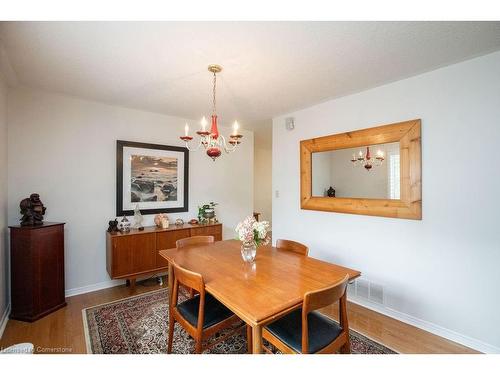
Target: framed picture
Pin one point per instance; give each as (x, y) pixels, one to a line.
(153, 176)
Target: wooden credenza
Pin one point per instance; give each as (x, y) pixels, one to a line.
(135, 253)
(37, 270)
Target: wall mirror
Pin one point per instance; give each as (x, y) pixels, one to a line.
(375, 171)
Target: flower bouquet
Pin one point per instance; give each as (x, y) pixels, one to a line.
(252, 234)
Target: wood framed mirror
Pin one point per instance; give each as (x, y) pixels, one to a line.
(375, 171)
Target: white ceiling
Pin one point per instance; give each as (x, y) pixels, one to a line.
(270, 68)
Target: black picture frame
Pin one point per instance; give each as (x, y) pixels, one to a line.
(120, 144)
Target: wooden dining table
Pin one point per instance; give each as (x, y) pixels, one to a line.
(259, 292)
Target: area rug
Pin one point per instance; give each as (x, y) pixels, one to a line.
(139, 325)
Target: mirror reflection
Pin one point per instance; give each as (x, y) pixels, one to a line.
(361, 172)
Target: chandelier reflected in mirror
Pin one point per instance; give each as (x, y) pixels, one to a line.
(212, 141)
(366, 159)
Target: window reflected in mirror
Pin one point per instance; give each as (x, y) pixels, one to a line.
(361, 172)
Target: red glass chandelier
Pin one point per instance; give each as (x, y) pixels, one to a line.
(366, 160)
(212, 141)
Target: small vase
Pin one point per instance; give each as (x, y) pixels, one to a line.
(248, 251)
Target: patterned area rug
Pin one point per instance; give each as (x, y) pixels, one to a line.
(139, 325)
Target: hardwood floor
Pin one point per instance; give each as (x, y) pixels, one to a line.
(62, 331)
(399, 336)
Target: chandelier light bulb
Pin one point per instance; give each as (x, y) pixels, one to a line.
(186, 130)
(204, 124)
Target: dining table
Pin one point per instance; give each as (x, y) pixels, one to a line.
(261, 291)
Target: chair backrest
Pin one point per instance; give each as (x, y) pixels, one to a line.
(321, 298)
(194, 241)
(324, 297)
(296, 247)
(192, 280)
(188, 278)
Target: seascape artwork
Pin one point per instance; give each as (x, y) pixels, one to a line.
(153, 179)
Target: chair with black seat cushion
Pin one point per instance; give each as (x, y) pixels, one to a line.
(193, 241)
(294, 246)
(201, 316)
(307, 331)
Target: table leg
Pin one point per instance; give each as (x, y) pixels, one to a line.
(170, 282)
(249, 339)
(257, 339)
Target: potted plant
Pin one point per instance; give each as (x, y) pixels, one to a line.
(206, 213)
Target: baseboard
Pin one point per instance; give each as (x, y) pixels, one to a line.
(93, 287)
(104, 285)
(427, 326)
(4, 320)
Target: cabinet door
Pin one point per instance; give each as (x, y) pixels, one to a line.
(133, 254)
(211, 230)
(166, 240)
(48, 246)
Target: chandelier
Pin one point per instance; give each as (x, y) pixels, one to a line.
(366, 159)
(213, 142)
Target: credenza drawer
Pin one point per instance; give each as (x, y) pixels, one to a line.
(206, 231)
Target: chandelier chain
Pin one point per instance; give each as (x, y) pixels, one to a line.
(214, 92)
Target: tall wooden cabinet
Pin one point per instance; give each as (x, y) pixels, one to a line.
(136, 253)
(37, 270)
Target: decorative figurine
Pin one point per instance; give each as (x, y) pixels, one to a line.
(161, 221)
(32, 210)
(331, 192)
(113, 226)
(137, 217)
(179, 222)
(193, 221)
(125, 225)
(164, 222)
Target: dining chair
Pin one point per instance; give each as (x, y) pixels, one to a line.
(201, 316)
(194, 241)
(305, 330)
(296, 247)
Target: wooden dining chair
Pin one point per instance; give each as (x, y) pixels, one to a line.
(201, 316)
(296, 247)
(194, 241)
(307, 331)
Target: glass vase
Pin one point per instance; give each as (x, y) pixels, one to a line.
(248, 251)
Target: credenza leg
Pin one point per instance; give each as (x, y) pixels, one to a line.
(132, 284)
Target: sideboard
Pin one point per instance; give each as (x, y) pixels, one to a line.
(135, 253)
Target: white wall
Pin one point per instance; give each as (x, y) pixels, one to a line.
(4, 273)
(263, 157)
(263, 182)
(441, 272)
(65, 149)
